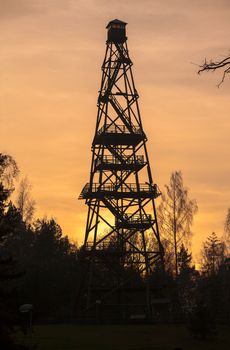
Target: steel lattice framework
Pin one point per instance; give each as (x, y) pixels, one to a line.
(121, 230)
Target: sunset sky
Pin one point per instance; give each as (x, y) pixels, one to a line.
(51, 54)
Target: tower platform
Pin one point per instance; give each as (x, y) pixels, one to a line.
(119, 135)
(130, 190)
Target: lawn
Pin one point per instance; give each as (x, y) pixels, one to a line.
(122, 337)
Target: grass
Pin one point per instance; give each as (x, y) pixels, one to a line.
(122, 337)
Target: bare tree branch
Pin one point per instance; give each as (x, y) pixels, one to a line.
(213, 66)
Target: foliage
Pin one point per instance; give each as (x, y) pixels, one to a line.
(187, 280)
(9, 218)
(214, 285)
(50, 268)
(184, 260)
(50, 264)
(212, 255)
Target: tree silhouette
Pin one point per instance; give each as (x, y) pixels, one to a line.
(8, 266)
(227, 222)
(223, 65)
(8, 172)
(227, 232)
(175, 215)
(187, 279)
(212, 254)
(213, 286)
(51, 277)
(184, 260)
(24, 201)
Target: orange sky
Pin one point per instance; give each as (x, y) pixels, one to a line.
(51, 53)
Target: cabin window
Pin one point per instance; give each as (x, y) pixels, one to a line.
(118, 26)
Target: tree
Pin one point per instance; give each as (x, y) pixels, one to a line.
(227, 232)
(213, 288)
(227, 222)
(212, 255)
(8, 171)
(187, 279)
(24, 201)
(184, 260)
(39, 254)
(175, 215)
(8, 267)
(223, 65)
(50, 279)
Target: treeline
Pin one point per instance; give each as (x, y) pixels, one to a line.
(40, 266)
(203, 288)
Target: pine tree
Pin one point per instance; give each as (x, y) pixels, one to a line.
(212, 254)
(184, 260)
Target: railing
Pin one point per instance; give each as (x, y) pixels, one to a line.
(118, 129)
(128, 187)
(135, 219)
(109, 159)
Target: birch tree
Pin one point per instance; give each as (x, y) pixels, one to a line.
(24, 201)
(227, 232)
(175, 215)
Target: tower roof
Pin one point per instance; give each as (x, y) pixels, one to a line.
(115, 21)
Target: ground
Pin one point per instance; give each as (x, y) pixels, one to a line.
(122, 337)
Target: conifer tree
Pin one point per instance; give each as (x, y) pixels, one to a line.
(212, 255)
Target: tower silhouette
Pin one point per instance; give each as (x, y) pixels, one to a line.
(122, 243)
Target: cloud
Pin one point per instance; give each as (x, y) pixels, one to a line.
(11, 9)
(17, 8)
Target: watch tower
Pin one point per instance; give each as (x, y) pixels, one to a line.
(122, 243)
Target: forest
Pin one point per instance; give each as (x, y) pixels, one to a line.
(40, 265)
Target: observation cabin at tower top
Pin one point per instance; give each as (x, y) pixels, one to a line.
(116, 31)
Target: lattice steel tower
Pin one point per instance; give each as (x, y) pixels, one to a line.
(122, 243)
